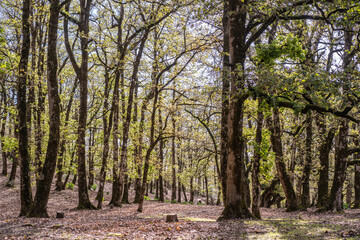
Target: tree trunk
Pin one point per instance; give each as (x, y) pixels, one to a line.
(82, 74)
(357, 184)
(184, 192)
(305, 196)
(357, 177)
(39, 131)
(25, 180)
(59, 184)
(2, 133)
(224, 99)
(48, 169)
(107, 125)
(173, 155)
(291, 202)
(91, 157)
(335, 199)
(235, 199)
(255, 204)
(15, 159)
(323, 183)
(161, 158)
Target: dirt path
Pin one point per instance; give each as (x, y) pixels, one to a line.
(196, 221)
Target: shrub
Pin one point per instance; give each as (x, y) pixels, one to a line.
(70, 185)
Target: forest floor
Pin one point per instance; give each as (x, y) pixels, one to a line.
(195, 221)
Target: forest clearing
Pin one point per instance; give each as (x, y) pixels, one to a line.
(195, 221)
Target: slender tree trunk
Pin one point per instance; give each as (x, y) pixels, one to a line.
(192, 193)
(255, 204)
(184, 192)
(207, 190)
(39, 132)
(91, 157)
(25, 180)
(82, 74)
(357, 177)
(173, 156)
(59, 184)
(2, 133)
(323, 183)
(161, 159)
(334, 201)
(15, 158)
(357, 185)
(305, 197)
(276, 142)
(349, 189)
(72, 161)
(107, 125)
(153, 143)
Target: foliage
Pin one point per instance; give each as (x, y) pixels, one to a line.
(288, 46)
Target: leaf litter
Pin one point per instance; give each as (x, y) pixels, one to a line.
(195, 221)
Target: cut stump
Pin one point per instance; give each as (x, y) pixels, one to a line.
(60, 215)
(172, 218)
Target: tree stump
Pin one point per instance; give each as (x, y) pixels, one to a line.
(172, 218)
(60, 215)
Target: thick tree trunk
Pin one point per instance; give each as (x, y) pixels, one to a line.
(276, 142)
(236, 205)
(25, 180)
(225, 99)
(255, 204)
(48, 169)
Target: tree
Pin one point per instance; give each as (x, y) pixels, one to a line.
(48, 169)
(25, 181)
(82, 74)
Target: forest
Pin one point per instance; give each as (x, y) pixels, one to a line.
(240, 116)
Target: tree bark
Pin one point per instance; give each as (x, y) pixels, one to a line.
(25, 180)
(235, 201)
(255, 204)
(173, 154)
(224, 99)
(161, 158)
(334, 201)
(59, 183)
(48, 169)
(305, 196)
(323, 183)
(107, 125)
(2, 132)
(276, 142)
(82, 74)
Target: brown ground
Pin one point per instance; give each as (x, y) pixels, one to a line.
(196, 221)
